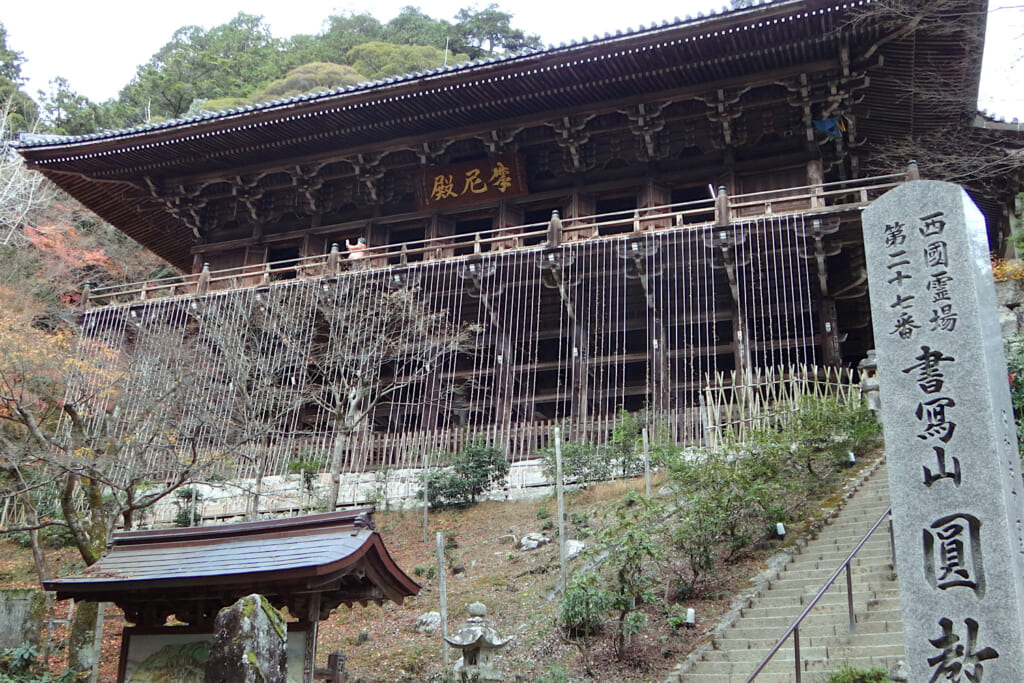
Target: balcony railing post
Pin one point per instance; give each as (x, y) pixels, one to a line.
(554, 230)
(722, 215)
(333, 259)
(203, 281)
(86, 294)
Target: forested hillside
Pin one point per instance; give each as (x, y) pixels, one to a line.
(241, 62)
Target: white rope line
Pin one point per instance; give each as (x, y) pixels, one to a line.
(250, 356)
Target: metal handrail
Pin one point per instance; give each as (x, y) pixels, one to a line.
(794, 630)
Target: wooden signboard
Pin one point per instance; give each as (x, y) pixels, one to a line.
(471, 182)
(160, 654)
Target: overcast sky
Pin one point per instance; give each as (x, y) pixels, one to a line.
(97, 45)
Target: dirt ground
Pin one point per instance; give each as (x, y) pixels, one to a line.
(380, 642)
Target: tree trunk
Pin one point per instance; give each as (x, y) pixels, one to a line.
(336, 454)
(355, 417)
(253, 511)
(83, 655)
(38, 558)
(89, 529)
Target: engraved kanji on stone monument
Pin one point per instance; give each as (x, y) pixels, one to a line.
(952, 452)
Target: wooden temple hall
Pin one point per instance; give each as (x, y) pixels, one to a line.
(544, 239)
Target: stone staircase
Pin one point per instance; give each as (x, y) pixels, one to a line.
(825, 640)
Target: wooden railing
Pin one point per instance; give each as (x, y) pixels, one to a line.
(737, 403)
(720, 211)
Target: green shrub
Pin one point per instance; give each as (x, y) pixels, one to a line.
(847, 674)
(631, 537)
(309, 467)
(734, 496)
(625, 447)
(21, 665)
(581, 463)
(475, 469)
(825, 430)
(584, 606)
(581, 521)
(426, 571)
(184, 502)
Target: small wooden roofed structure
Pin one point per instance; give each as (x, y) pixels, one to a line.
(308, 564)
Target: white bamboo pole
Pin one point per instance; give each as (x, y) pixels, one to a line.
(442, 589)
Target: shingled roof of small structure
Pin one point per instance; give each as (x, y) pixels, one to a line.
(337, 554)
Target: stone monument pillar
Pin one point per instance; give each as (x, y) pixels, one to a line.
(949, 435)
(249, 644)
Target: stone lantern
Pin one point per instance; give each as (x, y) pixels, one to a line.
(869, 381)
(477, 642)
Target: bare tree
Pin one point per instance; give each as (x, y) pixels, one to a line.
(960, 154)
(136, 411)
(380, 342)
(23, 193)
(964, 147)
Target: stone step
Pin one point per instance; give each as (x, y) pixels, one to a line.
(879, 578)
(860, 604)
(842, 638)
(815, 630)
(826, 567)
(852, 529)
(798, 585)
(782, 665)
(812, 673)
(854, 525)
(814, 624)
(836, 552)
(819, 576)
(832, 597)
(750, 658)
(828, 541)
(843, 545)
(799, 597)
(834, 557)
(832, 534)
(860, 506)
